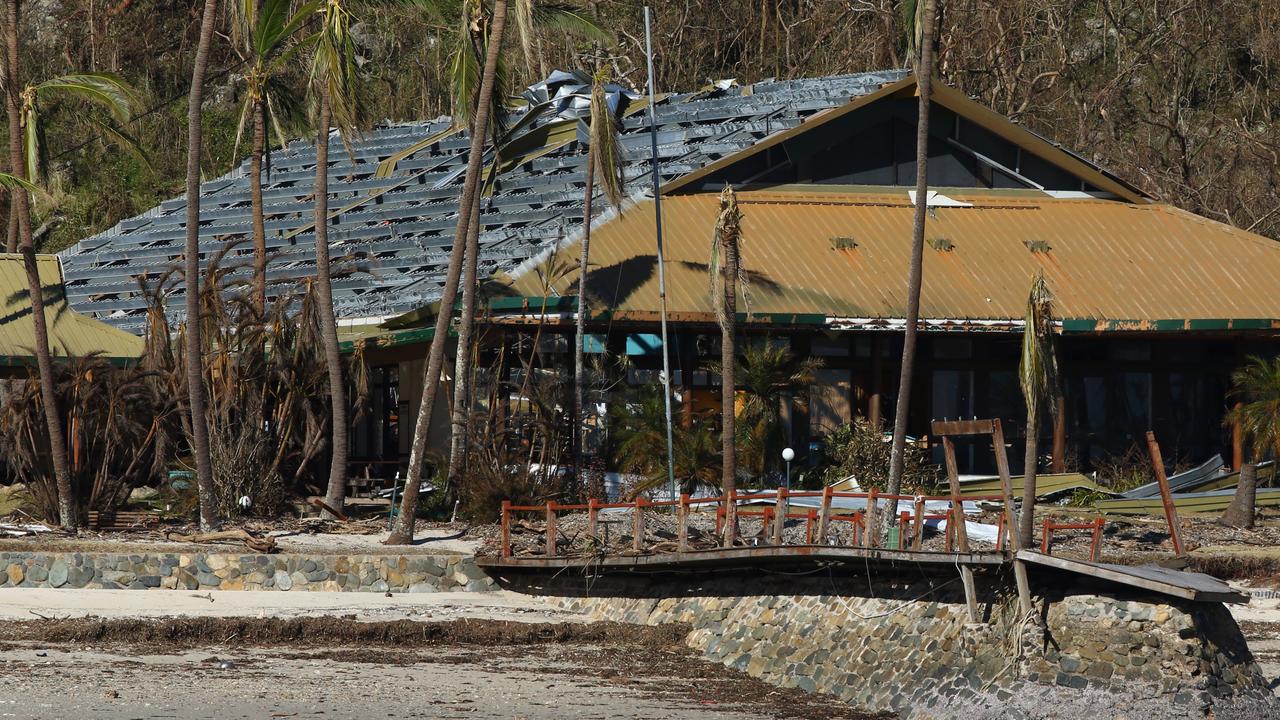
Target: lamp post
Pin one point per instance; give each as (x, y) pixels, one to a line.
(788, 455)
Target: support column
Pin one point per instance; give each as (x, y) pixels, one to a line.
(1237, 440)
(877, 380)
(1059, 462)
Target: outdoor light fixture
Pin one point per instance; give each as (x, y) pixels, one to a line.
(787, 456)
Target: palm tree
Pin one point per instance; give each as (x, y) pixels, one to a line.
(921, 51)
(195, 363)
(767, 374)
(1038, 375)
(333, 82)
(641, 449)
(726, 275)
(604, 154)
(402, 533)
(1256, 387)
(267, 28)
(26, 154)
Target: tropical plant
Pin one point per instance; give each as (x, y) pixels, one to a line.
(334, 86)
(1038, 377)
(268, 30)
(1256, 388)
(26, 154)
(197, 424)
(638, 425)
(604, 154)
(267, 409)
(921, 20)
(118, 426)
(726, 276)
(402, 532)
(766, 373)
(859, 450)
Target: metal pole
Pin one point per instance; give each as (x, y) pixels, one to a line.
(662, 272)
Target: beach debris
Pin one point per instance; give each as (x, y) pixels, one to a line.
(253, 542)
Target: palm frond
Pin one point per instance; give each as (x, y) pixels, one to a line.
(606, 144)
(334, 67)
(123, 139)
(107, 90)
(1038, 369)
(525, 28)
(565, 19)
(728, 231)
(9, 182)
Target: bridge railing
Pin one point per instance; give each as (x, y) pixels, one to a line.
(865, 523)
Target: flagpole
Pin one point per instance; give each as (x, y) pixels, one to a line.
(662, 269)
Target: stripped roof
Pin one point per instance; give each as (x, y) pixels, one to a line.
(70, 333)
(842, 253)
(395, 227)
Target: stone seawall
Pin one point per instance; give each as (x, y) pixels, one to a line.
(232, 571)
(1097, 657)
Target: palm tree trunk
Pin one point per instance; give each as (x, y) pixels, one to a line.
(924, 81)
(402, 533)
(259, 222)
(336, 493)
(11, 241)
(580, 338)
(462, 362)
(67, 515)
(728, 355)
(1026, 531)
(195, 362)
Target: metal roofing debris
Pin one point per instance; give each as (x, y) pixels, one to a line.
(1101, 262)
(70, 334)
(398, 209)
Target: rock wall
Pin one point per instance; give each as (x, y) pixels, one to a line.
(1097, 657)
(228, 571)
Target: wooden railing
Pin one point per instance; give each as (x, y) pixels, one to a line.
(865, 523)
(1095, 545)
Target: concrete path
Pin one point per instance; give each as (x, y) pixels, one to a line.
(34, 603)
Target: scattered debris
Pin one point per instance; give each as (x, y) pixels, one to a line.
(257, 544)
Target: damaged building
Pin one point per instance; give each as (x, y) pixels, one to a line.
(1156, 305)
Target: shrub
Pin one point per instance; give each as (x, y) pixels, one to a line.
(862, 450)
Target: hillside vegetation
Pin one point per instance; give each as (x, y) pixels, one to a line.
(1178, 96)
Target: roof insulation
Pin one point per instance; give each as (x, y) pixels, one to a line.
(392, 229)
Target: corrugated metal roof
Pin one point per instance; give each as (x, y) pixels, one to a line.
(844, 253)
(394, 221)
(70, 333)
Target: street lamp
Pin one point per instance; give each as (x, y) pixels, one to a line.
(788, 455)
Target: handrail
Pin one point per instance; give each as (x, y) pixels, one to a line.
(864, 524)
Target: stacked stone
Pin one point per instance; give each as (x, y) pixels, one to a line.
(923, 658)
(228, 571)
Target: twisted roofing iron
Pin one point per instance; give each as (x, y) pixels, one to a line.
(395, 207)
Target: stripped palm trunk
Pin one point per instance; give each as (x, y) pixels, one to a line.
(463, 357)
(259, 222)
(725, 271)
(402, 532)
(22, 207)
(337, 489)
(196, 397)
(923, 62)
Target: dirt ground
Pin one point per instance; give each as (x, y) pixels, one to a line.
(338, 668)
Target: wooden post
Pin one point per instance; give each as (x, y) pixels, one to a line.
(869, 533)
(904, 525)
(877, 381)
(779, 516)
(1058, 463)
(1044, 537)
(1006, 485)
(731, 519)
(506, 528)
(824, 515)
(682, 523)
(919, 530)
(808, 526)
(1170, 511)
(593, 520)
(957, 506)
(551, 529)
(637, 526)
(1095, 552)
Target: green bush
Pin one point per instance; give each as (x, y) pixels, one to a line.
(862, 450)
